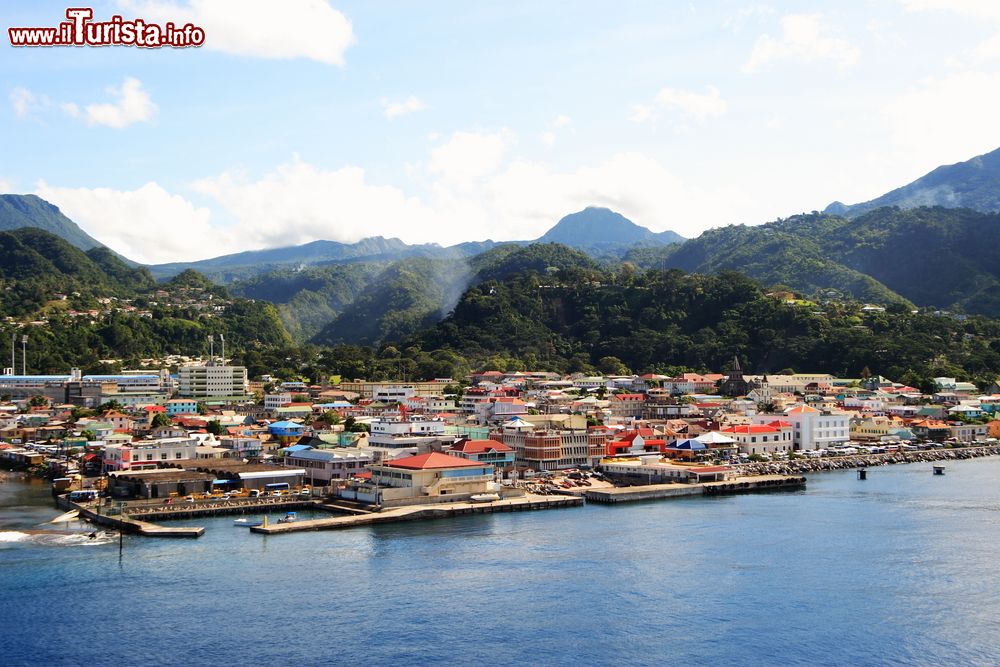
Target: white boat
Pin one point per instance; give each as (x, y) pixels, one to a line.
(248, 522)
(484, 497)
(289, 518)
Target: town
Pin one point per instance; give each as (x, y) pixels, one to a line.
(206, 438)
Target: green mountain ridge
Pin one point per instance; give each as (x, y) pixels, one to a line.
(973, 184)
(18, 211)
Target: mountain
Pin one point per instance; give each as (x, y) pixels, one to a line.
(598, 231)
(413, 294)
(243, 265)
(603, 231)
(971, 184)
(31, 211)
(935, 257)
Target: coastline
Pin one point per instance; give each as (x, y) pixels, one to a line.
(830, 464)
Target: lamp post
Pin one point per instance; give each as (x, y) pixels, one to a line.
(24, 354)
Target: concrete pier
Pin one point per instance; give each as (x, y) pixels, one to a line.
(628, 494)
(415, 512)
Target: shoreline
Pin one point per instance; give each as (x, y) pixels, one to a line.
(831, 464)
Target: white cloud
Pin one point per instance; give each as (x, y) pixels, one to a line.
(548, 138)
(470, 187)
(261, 28)
(562, 121)
(468, 157)
(132, 104)
(407, 106)
(687, 105)
(946, 119)
(26, 103)
(802, 40)
(147, 225)
(736, 20)
(22, 100)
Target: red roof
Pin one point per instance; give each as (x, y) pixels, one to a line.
(780, 424)
(746, 430)
(628, 397)
(432, 461)
(155, 408)
(480, 446)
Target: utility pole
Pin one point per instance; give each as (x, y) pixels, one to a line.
(24, 354)
(211, 349)
(222, 339)
(13, 359)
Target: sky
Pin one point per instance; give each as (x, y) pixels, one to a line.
(459, 121)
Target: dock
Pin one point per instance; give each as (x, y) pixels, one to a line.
(629, 494)
(416, 512)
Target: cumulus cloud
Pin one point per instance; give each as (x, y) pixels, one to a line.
(687, 105)
(470, 186)
(802, 39)
(260, 28)
(395, 109)
(131, 104)
(27, 104)
(147, 224)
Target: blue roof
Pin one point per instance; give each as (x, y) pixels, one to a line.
(298, 448)
(688, 444)
(286, 424)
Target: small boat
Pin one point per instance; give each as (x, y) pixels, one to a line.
(484, 497)
(289, 518)
(938, 470)
(248, 522)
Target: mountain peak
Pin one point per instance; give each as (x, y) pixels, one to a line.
(597, 228)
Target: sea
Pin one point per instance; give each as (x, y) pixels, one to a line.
(898, 569)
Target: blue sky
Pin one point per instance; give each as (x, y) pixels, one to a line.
(454, 121)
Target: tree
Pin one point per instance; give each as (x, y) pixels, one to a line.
(38, 401)
(331, 417)
(112, 406)
(160, 419)
(89, 435)
(215, 427)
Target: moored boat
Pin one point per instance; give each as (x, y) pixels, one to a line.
(248, 522)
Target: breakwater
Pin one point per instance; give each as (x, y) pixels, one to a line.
(802, 466)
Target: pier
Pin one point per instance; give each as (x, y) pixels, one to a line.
(629, 494)
(415, 512)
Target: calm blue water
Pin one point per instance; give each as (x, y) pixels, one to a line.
(899, 569)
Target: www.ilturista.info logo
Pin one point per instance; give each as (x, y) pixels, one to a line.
(81, 30)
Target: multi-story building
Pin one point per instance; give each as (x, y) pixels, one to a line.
(212, 382)
(146, 454)
(412, 432)
(495, 453)
(426, 478)
(813, 428)
(774, 436)
(550, 449)
(325, 465)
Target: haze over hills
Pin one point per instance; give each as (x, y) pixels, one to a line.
(971, 184)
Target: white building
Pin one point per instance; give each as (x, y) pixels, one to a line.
(212, 381)
(275, 401)
(412, 432)
(146, 454)
(812, 428)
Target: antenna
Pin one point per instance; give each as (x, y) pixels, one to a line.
(24, 354)
(211, 348)
(222, 339)
(13, 359)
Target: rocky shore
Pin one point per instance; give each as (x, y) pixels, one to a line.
(800, 466)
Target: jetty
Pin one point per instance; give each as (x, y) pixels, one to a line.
(428, 511)
(628, 494)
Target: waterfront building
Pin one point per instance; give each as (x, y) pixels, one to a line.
(550, 449)
(497, 454)
(653, 469)
(425, 478)
(813, 428)
(147, 454)
(774, 436)
(399, 432)
(325, 465)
